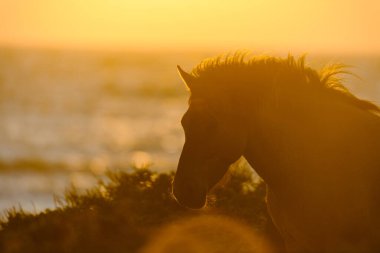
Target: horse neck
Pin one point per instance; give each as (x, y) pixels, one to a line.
(285, 127)
(276, 119)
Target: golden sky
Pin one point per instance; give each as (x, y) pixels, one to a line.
(295, 25)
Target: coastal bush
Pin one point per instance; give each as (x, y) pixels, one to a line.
(123, 211)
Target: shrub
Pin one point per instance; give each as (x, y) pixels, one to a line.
(118, 216)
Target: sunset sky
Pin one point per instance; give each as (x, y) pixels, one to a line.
(296, 25)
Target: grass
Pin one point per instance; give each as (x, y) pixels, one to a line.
(120, 215)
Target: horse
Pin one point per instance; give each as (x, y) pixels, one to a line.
(314, 143)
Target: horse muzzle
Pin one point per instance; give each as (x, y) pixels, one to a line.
(190, 194)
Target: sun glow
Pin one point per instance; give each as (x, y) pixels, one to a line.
(349, 26)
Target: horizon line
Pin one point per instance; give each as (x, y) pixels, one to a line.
(179, 49)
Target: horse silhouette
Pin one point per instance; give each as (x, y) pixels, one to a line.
(314, 143)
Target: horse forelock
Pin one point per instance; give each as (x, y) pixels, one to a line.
(225, 72)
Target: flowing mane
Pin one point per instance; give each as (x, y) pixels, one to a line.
(227, 67)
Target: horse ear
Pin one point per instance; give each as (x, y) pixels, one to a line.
(186, 77)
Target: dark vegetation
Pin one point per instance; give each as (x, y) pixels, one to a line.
(120, 214)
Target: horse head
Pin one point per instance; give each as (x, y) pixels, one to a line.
(214, 139)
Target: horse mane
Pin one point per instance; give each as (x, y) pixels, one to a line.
(222, 67)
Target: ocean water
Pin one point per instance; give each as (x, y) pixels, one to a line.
(68, 116)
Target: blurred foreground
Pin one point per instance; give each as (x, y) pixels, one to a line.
(208, 234)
